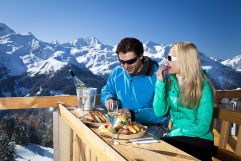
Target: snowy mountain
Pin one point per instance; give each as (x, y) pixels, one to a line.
(29, 66)
(234, 63)
(33, 152)
(5, 30)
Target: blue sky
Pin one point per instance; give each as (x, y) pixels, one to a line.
(213, 25)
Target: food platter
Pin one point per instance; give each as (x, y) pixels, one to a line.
(114, 125)
(123, 136)
(94, 119)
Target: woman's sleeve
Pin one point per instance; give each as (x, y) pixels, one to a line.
(160, 102)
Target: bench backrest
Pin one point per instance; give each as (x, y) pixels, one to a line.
(227, 117)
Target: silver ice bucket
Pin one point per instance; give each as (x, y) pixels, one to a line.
(86, 98)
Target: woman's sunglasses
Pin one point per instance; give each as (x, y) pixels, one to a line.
(171, 58)
(129, 62)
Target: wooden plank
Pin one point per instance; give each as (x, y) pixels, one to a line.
(9, 103)
(102, 150)
(219, 94)
(76, 147)
(82, 150)
(231, 143)
(65, 136)
(227, 115)
(36, 102)
(149, 152)
(71, 146)
(56, 135)
(93, 157)
(238, 145)
(87, 153)
(224, 135)
(226, 155)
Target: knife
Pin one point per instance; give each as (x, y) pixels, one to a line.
(146, 141)
(139, 139)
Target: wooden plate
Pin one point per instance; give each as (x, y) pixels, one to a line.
(124, 137)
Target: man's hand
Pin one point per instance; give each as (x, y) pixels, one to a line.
(125, 112)
(110, 104)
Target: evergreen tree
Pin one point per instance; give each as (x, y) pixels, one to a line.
(47, 139)
(7, 148)
(21, 133)
(16, 129)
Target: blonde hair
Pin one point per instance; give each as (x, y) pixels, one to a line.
(190, 68)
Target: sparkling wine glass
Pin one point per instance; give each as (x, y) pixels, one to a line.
(113, 111)
(83, 100)
(112, 116)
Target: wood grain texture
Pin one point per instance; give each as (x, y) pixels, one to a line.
(10, 103)
(97, 147)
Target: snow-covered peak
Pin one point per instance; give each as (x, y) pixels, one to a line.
(23, 54)
(5, 30)
(55, 42)
(154, 50)
(91, 42)
(150, 44)
(235, 62)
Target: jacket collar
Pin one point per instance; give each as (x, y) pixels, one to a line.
(147, 68)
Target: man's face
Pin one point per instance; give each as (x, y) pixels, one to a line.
(130, 62)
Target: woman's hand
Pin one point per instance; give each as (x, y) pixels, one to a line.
(160, 73)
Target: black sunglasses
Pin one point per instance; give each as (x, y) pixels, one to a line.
(129, 62)
(171, 58)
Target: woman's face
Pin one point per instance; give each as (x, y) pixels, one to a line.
(173, 67)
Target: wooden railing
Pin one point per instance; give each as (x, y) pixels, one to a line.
(70, 134)
(79, 141)
(227, 117)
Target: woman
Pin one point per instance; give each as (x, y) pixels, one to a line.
(187, 96)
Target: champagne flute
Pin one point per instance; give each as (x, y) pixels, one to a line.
(112, 115)
(83, 100)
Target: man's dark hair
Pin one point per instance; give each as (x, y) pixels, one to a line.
(130, 44)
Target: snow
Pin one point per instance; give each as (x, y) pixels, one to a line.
(234, 63)
(33, 152)
(24, 53)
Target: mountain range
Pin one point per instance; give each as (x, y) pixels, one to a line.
(234, 62)
(31, 67)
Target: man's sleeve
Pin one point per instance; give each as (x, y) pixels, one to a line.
(147, 116)
(108, 91)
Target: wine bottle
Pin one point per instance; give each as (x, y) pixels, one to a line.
(78, 83)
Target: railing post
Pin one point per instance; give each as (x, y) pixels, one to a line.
(224, 134)
(56, 135)
(76, 147)
(63, 139)
(238, 145)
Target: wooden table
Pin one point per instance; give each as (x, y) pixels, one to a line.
(127, 150)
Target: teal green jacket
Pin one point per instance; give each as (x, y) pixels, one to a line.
(186, 122)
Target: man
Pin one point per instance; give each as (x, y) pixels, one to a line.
(132, 83)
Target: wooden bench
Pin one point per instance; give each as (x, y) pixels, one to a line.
(227, 117)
